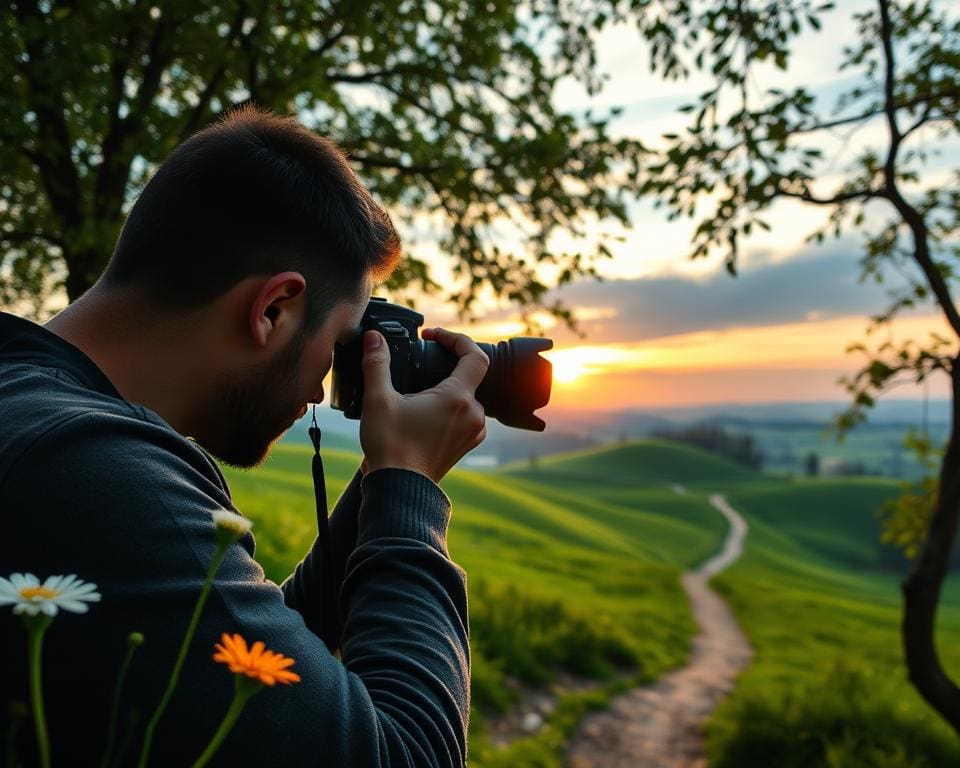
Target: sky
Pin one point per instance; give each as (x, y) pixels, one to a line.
(662, 330)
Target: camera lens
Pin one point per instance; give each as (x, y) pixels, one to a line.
(517, 382)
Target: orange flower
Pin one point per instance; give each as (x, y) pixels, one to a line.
(266, 666)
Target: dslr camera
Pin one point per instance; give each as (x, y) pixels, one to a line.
(516, 384)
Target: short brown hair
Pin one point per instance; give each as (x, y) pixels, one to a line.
(253, 193)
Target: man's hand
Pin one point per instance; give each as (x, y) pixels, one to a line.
(427, 432)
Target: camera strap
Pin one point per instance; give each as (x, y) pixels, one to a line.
(328, 606)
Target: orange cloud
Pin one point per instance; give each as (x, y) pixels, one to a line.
(794, 361)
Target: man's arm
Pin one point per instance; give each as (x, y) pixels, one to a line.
(303, 589)
(426, 433)
(127, 505)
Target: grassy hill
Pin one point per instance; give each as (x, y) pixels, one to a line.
(574, 563)
(647, 462)
(828, 685)
(832, 518)
(584, 581)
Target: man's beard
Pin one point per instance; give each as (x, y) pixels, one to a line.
(248, 416)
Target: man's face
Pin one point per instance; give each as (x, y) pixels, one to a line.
(255, 411)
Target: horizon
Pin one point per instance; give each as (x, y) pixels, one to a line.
(881, 410)
(662, 329)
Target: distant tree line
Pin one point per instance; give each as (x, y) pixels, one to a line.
(814, 466)
(737, 447)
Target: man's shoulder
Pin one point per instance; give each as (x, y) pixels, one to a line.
(50, 418)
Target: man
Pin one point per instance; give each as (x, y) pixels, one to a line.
(250, 253)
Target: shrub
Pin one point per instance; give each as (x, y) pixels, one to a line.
(531, 635)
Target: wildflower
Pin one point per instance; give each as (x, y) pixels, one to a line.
(37, 604)
(231, 526)
(266, 666)
(28, 596)
(253, 668)
(134, 641)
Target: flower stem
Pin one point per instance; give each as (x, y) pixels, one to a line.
(184, 646)
(245, 688)
(133, 642)
(133, 721)
(36, 626)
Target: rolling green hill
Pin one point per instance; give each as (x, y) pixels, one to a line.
(574, 563)
(832, 518)
(557, 579)
(647, 462)
(828, 685)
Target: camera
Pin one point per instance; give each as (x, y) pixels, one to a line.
(516, 383)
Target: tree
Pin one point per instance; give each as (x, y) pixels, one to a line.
(745, 148)
(811, 464)
(740, 448)
(444, 107)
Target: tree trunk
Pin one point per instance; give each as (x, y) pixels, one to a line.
(921, 589)
(83, 269)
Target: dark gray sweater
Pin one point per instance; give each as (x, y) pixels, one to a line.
(103, 488)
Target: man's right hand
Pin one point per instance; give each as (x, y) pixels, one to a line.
(430, 431)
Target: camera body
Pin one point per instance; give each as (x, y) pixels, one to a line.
(517, 381)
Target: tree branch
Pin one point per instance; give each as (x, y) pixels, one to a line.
(910, 214)
(114, 171)
(377, 75)
(158, 58)
(330, 41)
(118, 73)
(382, 161)
(925, 99)
(844, 197)
(60, 177)
(107, 178)
(927, 117)
(199, 112)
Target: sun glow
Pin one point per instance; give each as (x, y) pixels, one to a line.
(573, 363)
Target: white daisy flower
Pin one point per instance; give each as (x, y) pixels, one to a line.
(231, 525)
(27, 595)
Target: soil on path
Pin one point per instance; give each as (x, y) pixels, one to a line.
(659, 725)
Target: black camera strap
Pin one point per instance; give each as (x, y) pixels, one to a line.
(328, 606)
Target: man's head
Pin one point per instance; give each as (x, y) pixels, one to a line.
(262, 223)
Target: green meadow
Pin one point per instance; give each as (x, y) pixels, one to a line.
(574, 565)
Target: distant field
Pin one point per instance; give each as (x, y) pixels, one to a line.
(878, 447)
(574, 563)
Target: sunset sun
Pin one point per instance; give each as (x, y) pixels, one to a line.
(567, 369)
(574, 363)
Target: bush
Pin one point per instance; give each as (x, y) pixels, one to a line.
(531, 635)
(845, 719)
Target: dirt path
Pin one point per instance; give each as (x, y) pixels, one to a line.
(658, 726)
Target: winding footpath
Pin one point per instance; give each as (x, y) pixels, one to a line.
(659, 725)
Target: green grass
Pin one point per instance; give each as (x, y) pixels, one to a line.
(647, 462)
(586, 582)
(828, 685)
(574, 564)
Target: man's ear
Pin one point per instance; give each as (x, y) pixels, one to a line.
(277, 307)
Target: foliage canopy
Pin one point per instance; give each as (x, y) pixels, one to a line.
(445, 108)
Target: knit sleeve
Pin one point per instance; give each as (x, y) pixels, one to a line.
(303, 589)
(128, 506)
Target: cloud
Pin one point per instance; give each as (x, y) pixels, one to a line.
(766, 292)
